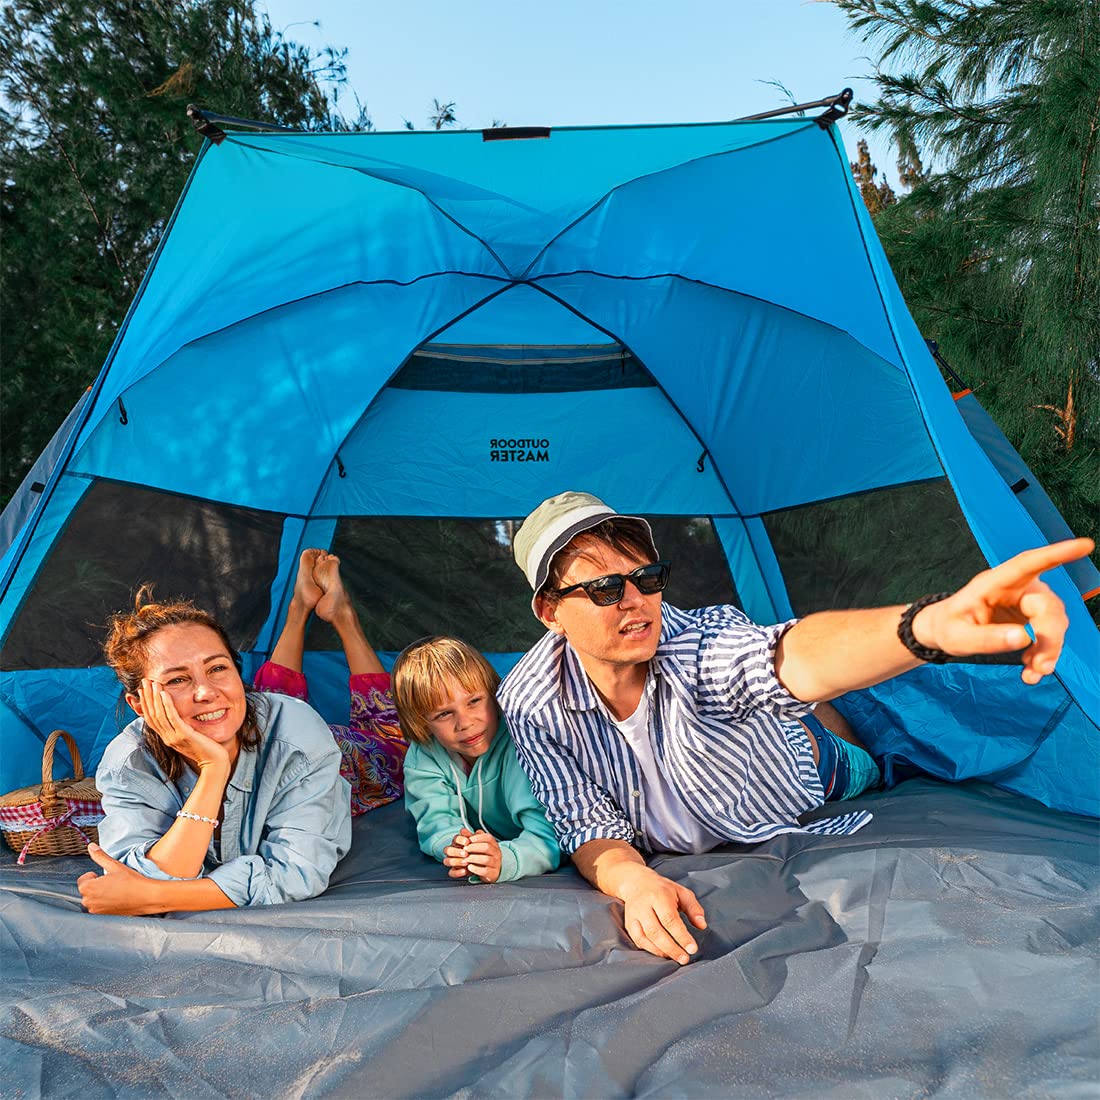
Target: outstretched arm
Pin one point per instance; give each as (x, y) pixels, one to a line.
(831, 652)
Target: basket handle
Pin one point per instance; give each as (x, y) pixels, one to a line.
(47, 758)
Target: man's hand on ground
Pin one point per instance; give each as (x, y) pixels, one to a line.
(653, 905)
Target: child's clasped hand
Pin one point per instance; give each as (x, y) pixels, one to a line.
(473, 854)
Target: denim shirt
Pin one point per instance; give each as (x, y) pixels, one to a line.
(287, 810)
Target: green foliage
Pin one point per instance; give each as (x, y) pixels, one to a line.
(96, 148)
(997, 250)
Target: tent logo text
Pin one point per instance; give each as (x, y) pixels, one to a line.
(519, 450)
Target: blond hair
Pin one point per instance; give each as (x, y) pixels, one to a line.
(421, 672)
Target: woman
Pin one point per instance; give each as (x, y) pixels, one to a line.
(217, 795)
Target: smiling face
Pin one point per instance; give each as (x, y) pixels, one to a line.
(464, 721)
(192, 664)
(611, 638)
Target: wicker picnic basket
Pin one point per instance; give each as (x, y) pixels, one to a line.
(57, 817)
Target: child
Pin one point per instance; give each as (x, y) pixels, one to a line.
(371, 745)
(462, 768)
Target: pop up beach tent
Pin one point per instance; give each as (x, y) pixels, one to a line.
(395, 345)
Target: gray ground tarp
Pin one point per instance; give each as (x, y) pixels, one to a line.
(949, 949)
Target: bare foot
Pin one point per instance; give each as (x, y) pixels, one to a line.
(334, 600)
(306, 590)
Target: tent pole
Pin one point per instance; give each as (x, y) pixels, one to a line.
(838, 107)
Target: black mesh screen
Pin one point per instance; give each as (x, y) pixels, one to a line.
(412, 577)
(222, 557)
(879, 548)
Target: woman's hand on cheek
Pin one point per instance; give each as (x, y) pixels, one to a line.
(160, 714)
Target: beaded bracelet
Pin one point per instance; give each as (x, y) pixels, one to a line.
(197, 817)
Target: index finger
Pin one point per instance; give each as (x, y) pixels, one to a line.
(1026, 566)
(1048, 620)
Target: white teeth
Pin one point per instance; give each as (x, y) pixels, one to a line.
(213, 716)
(634, 628)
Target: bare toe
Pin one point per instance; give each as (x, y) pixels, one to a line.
(306, 588)
(326, 574)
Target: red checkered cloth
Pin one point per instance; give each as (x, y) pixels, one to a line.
(20, 819)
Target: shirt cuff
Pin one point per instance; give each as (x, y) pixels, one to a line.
(242, 880)
(570, 841)
(767, 687)
(137, 859)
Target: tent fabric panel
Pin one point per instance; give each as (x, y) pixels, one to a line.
(998, 520)
(49, 524)
(516, 195)
(790, 410)
(419, 453)
(1030, 493)
(874, 549)
(291, 544)
(1066, 756)
(81, 701)
(284, 390)
(961, 722)
(757, 600)
(25, 499)
(793, 243)
(207, 279)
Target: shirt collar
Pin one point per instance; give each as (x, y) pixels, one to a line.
(577, 692)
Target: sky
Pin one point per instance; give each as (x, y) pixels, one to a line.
(577, 62)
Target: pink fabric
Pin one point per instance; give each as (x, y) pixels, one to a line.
(371, 745)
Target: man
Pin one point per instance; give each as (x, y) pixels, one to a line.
(644, 726)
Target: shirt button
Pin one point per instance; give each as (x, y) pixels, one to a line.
(636, 794)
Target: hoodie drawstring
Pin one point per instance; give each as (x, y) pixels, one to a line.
(462, 800)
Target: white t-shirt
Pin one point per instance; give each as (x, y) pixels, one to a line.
(669, 824)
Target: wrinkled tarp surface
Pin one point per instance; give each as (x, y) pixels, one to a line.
(949, 949)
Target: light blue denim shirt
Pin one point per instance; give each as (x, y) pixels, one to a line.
(287, 809)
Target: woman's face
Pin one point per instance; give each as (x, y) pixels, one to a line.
(193, 665)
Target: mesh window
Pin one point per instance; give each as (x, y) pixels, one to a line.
(222, 557)
(412, 577)
(879, 548)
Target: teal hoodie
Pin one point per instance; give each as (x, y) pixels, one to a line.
(496, 796)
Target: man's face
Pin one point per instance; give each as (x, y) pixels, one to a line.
(621, 634)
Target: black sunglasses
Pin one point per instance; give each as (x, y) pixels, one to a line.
(605, 591)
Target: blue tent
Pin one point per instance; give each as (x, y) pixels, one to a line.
(397, 344)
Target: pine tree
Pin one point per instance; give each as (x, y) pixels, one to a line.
(997, 250)
(877, 194)
(96, 148)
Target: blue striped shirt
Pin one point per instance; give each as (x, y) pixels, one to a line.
(725, 736)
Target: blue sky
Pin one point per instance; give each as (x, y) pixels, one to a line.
(576, 62)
